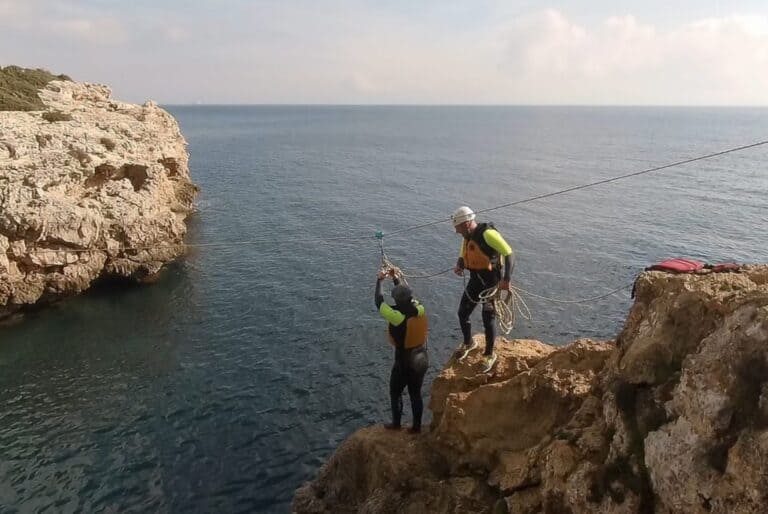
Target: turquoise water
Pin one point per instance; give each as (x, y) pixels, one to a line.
(225, 385)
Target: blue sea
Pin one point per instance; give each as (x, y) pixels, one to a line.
(226, 384)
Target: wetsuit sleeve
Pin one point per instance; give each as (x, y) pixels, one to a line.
(509, 264)
(394, 316)
(495, 241)
(420, 310)
(378, 298)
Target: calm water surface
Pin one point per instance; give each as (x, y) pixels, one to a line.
(225, 385)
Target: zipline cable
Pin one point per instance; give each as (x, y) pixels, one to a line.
(357, 238)
(507, 306)
(583, 300)
(585, 186)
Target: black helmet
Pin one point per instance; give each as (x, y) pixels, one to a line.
(402, 293)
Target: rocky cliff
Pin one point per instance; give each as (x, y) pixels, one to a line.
(672, 416)
(89, 188)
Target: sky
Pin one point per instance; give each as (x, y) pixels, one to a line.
(587, 52)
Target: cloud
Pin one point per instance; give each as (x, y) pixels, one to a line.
(752, 25)
(175, 33)
(551, 59)
(7, 9)
(102, 30)
(343, 51)
(47, 20)
(538, 58)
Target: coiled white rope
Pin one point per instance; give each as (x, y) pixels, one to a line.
(507, 307)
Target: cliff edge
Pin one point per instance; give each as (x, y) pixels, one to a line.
(672, 416)
(89, 188)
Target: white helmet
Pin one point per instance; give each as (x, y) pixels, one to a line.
(462, 214)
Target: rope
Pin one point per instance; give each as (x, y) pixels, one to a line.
(168, 246)
(388, 266)
(514, 302)
(356, 238)
(508, 306)
(584, 300)
(431, 275)
(585, 186)
(505, 308)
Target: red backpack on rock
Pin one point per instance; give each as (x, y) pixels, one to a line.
(677, 266)
(689, 266)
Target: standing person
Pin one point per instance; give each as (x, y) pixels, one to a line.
(482, 250)
(407, 332)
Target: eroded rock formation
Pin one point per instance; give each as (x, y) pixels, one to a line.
(90, 187)
(670, 417)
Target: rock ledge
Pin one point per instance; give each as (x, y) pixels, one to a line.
(670, 417)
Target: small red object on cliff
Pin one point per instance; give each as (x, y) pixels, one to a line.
(677, 266)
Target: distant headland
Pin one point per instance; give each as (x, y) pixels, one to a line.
(90, 187)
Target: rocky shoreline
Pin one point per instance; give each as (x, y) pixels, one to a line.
(90, 188)
(672, 416)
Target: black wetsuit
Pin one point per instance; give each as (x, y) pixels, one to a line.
(409, 367)
(479, 281)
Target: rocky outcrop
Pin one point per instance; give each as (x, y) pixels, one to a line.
(670, 417)
(377, 470)
(89, 188)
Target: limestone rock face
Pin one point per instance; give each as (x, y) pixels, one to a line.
(671, 417)
(88, 188)
(377, 470)
(703, 413)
